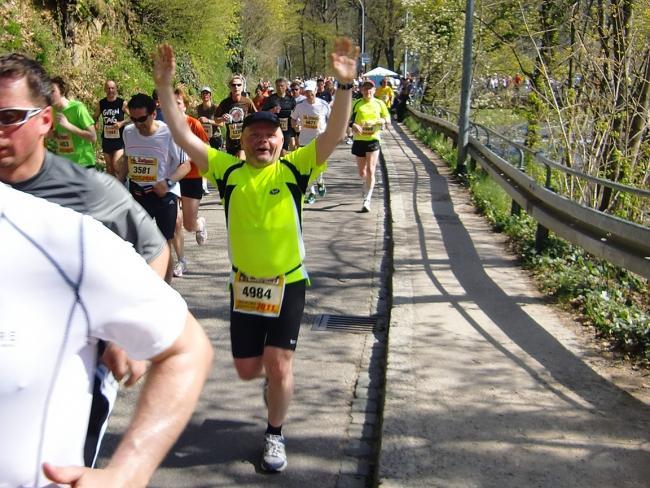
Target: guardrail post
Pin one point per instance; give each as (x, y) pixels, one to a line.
(541, 234)
(515, 209)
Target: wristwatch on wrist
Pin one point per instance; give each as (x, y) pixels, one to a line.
(169, 182)
(345, 86)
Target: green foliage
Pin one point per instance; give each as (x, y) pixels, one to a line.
(10, 37)
(197, 29)
(612, 300)
(498, 117)
(435, 34)
(128, 71)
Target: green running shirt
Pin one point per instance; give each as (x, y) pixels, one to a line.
(264, 210)
(69, 145)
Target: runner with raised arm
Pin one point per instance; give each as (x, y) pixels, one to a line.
(263, 197)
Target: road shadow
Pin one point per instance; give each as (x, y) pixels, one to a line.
(503, 310)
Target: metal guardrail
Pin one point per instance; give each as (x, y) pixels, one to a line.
(616, 240)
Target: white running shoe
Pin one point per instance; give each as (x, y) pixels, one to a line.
(202, 233)
(274, 459)
(365, 206)
(180, 267)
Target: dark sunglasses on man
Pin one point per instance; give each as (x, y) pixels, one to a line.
(12, 116)
(140, 120)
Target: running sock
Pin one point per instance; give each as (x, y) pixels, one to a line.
(368, 195)
(273, 430)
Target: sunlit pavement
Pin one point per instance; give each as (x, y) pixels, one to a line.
(330, 430)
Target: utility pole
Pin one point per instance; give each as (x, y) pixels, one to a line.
(406, 51)
(363, 35)
(466, 89)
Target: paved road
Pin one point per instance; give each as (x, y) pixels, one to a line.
(327, 421)
(486, 385)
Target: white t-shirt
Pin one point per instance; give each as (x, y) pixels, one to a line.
(65, 280)
(152, 158)
(312, 119)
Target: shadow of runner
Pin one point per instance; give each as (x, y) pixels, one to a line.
(566, 368)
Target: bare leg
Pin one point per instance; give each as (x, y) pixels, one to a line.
(277, 365)
(179, 237)
(190, 208)
(111, 160)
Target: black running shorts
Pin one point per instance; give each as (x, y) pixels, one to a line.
(109, 146)
(163, 210)
(192, 188)
(250, 333)
(233, 146)
(288, 134)
(360, 148)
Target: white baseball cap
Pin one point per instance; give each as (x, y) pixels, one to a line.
(310, 86)
(206, 89)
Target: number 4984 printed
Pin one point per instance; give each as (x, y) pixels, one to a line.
(258, 296)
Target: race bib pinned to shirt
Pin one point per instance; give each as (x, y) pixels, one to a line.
(207, 127)
(258, 296)
(64, 144)
(143, 169)
(235, 131)
(310, 121)
(369, 128)
(284, 124)
(111, 132)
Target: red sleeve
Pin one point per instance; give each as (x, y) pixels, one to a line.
(197, 128)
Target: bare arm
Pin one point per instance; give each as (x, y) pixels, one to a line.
(127, 115)
(89, 133)
(159, 263)
(96, 115)
(344, 65)
(165, 405)
(163, 73)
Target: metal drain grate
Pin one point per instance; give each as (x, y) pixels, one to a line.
(345, 323)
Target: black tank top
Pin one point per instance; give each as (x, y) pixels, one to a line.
(112, 112)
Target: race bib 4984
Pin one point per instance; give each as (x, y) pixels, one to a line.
(258, 296)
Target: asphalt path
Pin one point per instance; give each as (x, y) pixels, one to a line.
(331, 413)
(487, 384)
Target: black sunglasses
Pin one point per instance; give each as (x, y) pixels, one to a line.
(17, 116)
(139, 120)
(235, 84)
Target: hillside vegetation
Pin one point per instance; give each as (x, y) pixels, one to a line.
(90, 41)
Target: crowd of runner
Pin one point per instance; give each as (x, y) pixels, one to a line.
(103, 310)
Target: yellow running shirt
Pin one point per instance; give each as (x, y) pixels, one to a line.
(264, 210)
(367, 114)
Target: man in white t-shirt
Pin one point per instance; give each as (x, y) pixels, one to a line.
(154, 165)
(310, 119)
(60, 279)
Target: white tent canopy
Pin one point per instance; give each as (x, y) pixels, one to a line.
(379, 71)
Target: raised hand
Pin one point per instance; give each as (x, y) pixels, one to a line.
(344, 59)
(164, 65)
